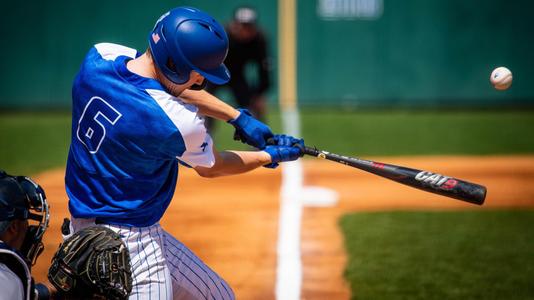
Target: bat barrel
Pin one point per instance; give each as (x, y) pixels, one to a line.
(466, 191)
(423, 180)
(463, 190)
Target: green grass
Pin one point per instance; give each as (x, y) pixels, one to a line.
(32, 142)
(405, 132)
(440, 255)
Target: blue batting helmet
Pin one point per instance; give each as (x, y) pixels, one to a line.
(186, 39)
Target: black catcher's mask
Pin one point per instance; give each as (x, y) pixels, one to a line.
(23, 199)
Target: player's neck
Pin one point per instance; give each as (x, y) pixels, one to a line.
(142, 66)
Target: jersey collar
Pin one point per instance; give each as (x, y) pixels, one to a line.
(135, 79)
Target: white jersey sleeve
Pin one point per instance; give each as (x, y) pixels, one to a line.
(11, 284)
(198, 143)
(110, 51)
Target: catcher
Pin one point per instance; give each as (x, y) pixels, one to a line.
(93, 263)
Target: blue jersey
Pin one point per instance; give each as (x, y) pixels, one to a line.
(127, 137)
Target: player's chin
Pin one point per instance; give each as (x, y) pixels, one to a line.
(176, 93)
(174, 89)
(170, 87)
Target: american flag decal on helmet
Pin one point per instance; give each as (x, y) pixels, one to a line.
(155, 37)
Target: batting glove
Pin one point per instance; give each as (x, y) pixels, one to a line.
(251, 131)
(284, 148)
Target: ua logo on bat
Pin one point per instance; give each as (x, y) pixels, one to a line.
(438, 180)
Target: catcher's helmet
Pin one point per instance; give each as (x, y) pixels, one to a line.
(23, 199)
(13, 201)
(186, 39)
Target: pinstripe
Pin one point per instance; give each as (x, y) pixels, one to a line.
(140, 260)
(148, 266)
(156, 260)
(169, 263)
(168, 253)
(163, 251)
(197, 263)
(175, 279)
(133, 268)
(201, 266)
(190, 281)
(189, 267)
(227, 289)
(196, 272)
(177, 267)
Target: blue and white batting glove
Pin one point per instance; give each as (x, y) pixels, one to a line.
(250, 130)
(284, 148)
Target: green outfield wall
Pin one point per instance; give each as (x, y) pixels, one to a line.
(415, 52)
(362, 53)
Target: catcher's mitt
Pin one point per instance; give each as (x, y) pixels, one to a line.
(92, 262)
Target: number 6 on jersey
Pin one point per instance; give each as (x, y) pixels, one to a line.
(92, 125)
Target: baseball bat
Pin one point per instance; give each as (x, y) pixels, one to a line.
(423, 180)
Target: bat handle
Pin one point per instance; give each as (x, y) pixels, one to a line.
(314, 152)
(305, 150)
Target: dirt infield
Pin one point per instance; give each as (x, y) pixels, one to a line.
(232, 223)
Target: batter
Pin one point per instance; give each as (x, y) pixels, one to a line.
(130, 132)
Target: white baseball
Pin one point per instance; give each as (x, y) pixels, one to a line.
(501, 78)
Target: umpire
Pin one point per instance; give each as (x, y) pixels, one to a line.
(247, 45)
(21, 200)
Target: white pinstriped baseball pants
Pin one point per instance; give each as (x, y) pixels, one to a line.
(163, 267)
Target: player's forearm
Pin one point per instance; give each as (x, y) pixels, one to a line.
(209, 105)
(235, 162)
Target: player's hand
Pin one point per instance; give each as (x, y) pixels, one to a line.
(250, 130)
(284, 148)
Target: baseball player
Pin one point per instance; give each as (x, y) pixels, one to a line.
(21, 200)
(92, 262)
(135, 118)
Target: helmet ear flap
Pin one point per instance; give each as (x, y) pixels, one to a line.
(178, 71)
(170, 64)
